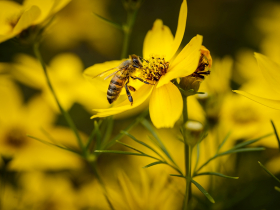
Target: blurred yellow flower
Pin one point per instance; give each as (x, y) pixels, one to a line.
(18, 119)
(270, 72)
(15, 18)
(144, 192)
(216, 87)
(65, 71)
(41, 191)
(76, 23)
(159, 48)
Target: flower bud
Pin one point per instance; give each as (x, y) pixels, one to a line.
(131, 5)
(202, 98)
(190, 84)
(194, 132)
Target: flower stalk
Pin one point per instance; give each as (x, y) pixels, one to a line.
(188, 154)
(64, 113)
(132, 9)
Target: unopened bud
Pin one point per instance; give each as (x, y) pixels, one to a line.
(132, 4)
(202, 98)
(190, 84)
(194, 132)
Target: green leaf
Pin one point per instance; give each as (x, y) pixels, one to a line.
(118, 152)
(116, 25)
(224, 141)
(277, 188)
(216, 174)
(203, 191)
(245, 143)
(230, 152)
(109, 128)
(55, 145)
(154, 163)
(48, 135)
(141, 142)
(254, 149)
(267, 171)
(276, 134)
(197, 156)
(159, 143)
(128, 128)
(92, 135)
(128, 146)
(177, 175)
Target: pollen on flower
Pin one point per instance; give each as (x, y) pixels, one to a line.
(154, 68)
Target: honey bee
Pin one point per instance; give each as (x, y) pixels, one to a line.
(121, 77)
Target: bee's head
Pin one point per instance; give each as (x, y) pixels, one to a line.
(136, 61)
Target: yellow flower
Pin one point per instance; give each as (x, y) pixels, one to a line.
(72, 28)
(148, 193)
(65, 71)
(18, 119)
(270, 72)
(15, 18)
(160, 49)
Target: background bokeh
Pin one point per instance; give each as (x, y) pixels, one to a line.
(39, 176)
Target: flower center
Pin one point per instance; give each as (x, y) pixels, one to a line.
(154, 68)
(16, 138)
(244, 116)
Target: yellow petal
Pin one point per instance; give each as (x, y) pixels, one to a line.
(27, 19)
(11, 100)
(185, 63)
(59, 4)
(96, 69)
(8, 16)
(47, 7)
(66, 67)
(44, 6)
(180, 30)
(130, 193)
(166, 106)
(275, 104)
(139, 97)
(270, 71)
(158, 41)
(27, 70)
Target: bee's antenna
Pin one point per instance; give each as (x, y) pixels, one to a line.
(144, 59)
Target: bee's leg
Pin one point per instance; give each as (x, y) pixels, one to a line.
(128, 93)
(131, 88)
(141, 80)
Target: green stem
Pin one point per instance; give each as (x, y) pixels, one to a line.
(188, 155)
(127, 29)
(188, 158)
(185, 109)
(64, 113)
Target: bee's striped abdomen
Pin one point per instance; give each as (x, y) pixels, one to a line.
(115, 87)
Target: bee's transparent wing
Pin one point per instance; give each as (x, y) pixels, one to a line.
(105, 72)
(112, 74)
